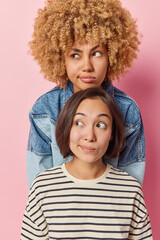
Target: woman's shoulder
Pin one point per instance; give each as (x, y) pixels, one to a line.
(45, 180)
(48, 105)
(54, 172)
(47, 98)
(123, 178)
(51, 102)
(122, 99)
(128, 106)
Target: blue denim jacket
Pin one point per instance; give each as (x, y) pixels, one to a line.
(43, 152)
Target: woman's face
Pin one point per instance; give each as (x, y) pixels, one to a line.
(91, 131)
(86, 65)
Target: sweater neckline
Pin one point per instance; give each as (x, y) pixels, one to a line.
(86, 182)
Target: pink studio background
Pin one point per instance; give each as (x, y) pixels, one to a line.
(21, 84)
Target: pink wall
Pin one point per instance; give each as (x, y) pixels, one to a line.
(21, 84)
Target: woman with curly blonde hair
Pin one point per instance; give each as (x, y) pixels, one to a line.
(81, 44)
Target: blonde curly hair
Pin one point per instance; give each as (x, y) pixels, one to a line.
(62, 22)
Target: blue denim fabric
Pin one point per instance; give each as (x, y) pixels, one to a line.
(43, 152)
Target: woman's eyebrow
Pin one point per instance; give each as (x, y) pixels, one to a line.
(104, 115)
(97, 46)
(78, 50)
(99, 115)
(79, 113)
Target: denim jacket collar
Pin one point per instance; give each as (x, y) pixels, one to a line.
(106, 85)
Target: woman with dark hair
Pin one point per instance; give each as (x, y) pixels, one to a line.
(67, 115)
(86, 198)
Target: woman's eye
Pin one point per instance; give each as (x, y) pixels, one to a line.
(97, 54)
(75, 56)
(79, 123)
(101, 125)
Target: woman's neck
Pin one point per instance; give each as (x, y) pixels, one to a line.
(85, 171)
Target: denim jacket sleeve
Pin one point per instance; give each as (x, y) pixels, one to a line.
(42, 150)
(39, 154)
(132, 155)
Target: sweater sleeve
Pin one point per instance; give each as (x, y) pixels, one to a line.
(140, 227)
(34, 224)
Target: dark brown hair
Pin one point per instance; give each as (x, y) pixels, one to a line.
(66, 116)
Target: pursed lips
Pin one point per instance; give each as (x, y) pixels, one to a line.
(87, 148)
(87, 79)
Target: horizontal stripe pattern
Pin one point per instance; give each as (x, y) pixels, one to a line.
(62, 207)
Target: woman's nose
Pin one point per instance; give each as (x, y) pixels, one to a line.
(90, 135)
(87, 65)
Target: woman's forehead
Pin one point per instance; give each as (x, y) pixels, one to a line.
(88, 45)
(94, 106)
(83, 42)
